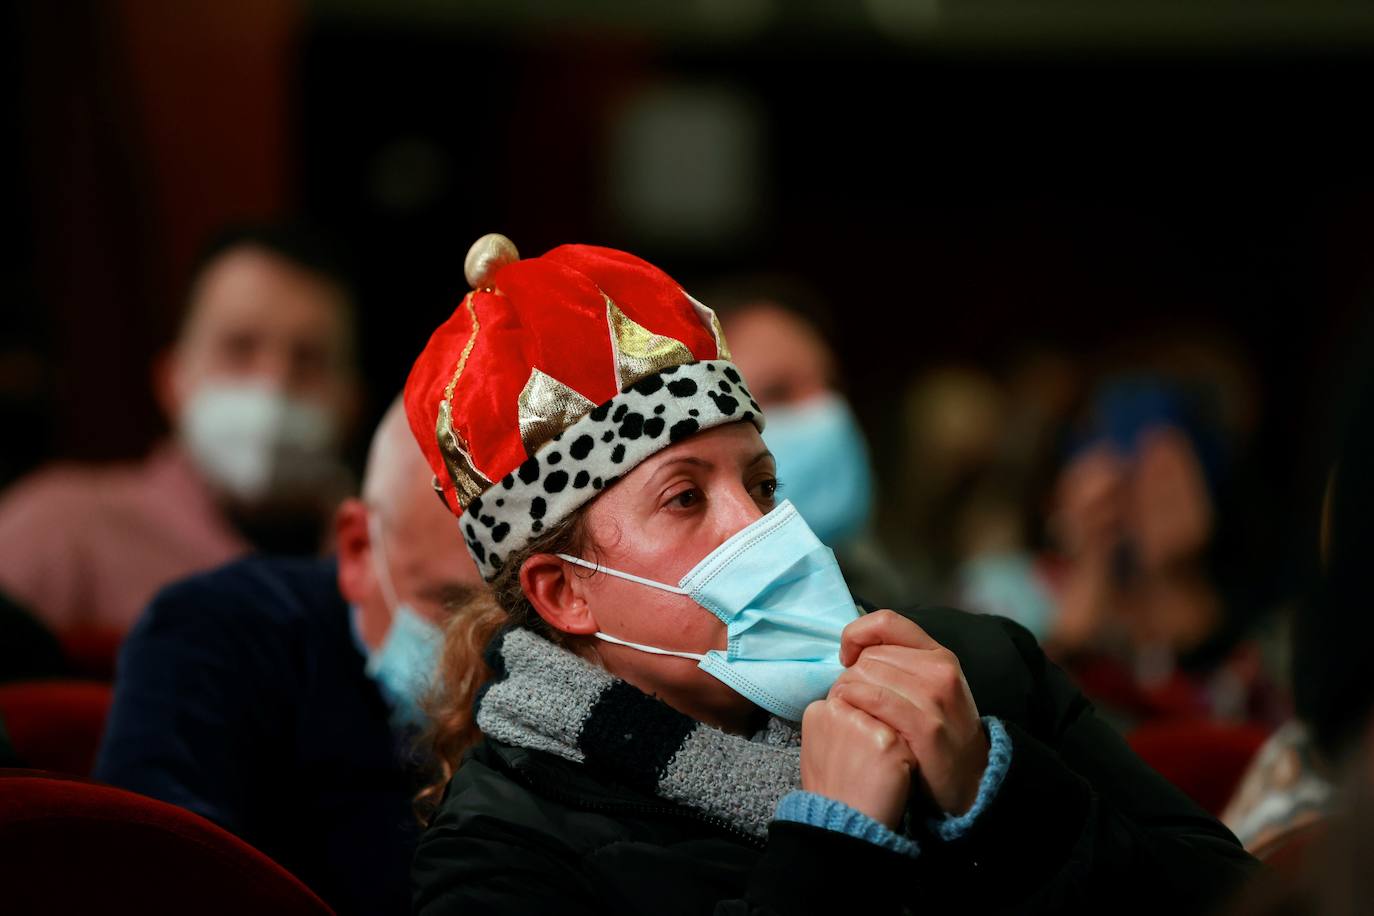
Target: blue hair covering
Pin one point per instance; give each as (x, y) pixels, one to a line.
(1127, 408)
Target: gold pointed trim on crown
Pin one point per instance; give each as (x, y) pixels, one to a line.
(638, 351)
(547, 407)
(468, 482)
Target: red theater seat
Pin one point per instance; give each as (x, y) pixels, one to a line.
(74, 846)
(56, 725)
(92, 651)
(1205, 759)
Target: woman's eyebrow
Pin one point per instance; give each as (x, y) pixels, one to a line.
(764, 455)
(668, 465)
(761, 456)
(688, 459)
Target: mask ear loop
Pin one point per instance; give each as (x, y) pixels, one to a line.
(650, 649)
(578, 561)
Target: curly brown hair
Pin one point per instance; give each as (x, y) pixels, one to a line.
(462, 669)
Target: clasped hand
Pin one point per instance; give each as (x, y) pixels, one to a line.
(901, 715)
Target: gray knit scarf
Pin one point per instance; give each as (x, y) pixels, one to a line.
(548, 699)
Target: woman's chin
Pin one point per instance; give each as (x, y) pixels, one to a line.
(732, 712)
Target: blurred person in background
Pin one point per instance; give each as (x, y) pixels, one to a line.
(1287, 790)
(952, 423)
(1135, 514)
(1323, 867)
(1153, 608)
(1307, 804)
(280, 697)
(777, 332)
(979, 460)
(1292, 782)
(260, 391)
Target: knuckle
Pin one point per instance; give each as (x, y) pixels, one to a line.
(858, 722)
(879, 621)
(949, 677)
(877, 694)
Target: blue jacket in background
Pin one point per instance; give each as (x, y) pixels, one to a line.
(241, 696)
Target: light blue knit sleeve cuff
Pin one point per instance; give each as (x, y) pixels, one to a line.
(820, 811)
(951, 827)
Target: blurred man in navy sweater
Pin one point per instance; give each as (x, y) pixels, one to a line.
(280, 697)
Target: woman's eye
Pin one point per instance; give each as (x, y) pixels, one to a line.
(686, 499)
(767, 489)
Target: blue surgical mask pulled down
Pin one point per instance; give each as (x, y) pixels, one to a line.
(784, 603)
(403, 666)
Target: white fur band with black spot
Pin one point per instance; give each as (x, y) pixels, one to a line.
(598, 449)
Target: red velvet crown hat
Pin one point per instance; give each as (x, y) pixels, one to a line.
(554, 377)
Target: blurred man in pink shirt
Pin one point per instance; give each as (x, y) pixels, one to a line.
(259, 389)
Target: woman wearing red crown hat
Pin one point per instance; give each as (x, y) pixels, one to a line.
(670, 702)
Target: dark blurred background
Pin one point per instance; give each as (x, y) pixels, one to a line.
(1059, 311)
(964, 182)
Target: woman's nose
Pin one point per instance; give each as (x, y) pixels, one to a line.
(737, 509)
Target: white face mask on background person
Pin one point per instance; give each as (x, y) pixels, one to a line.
(256, 442)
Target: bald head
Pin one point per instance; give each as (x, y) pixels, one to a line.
(397, 473)
(401, 527)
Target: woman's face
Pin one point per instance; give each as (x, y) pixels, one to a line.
(658, 522)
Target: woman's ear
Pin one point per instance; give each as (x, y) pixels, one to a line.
(556, 594)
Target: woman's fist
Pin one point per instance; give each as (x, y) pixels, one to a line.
(900, 677)
(850, 756)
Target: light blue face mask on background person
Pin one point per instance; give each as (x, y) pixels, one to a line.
(779, 592)
(823, 463)
(404, 665)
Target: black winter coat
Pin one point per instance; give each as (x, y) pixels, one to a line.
(1080, 824)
